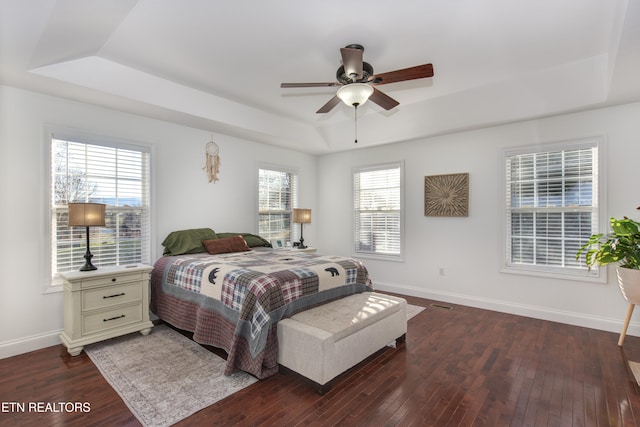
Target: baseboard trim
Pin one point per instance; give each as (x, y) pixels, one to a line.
(27, 344)
(48, 339)
(570, 318)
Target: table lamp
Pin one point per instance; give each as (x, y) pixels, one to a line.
(301, 216)
(87, 215)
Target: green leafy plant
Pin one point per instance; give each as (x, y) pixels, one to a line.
(621, 246)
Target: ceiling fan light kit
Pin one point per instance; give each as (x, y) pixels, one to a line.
(355, 94)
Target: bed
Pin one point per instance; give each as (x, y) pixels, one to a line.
(231, 289)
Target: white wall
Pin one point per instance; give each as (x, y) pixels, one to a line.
(469, 249)
(31, 317)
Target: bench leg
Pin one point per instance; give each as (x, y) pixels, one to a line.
(319, 388)
(322, 388)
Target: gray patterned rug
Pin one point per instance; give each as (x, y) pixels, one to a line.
(635, 370)
(164, 377)
(412, 310)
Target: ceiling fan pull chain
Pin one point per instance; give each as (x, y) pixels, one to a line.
(356, 131)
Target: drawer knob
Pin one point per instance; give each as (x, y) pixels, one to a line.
(113, 318)
(113, 296)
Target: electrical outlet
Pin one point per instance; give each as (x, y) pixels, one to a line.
(441, 271)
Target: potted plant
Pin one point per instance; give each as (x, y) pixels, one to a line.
(622, 247)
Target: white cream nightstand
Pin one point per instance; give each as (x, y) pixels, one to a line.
(104, 303)
(308, 249)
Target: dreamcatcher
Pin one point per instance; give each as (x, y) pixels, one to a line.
(212, 163)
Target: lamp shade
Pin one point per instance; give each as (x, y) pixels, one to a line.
(302, 216)
(86, 214)
(355, 93)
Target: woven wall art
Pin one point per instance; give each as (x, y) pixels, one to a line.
(446, 195)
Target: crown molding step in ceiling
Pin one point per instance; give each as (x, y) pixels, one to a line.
(189, 63)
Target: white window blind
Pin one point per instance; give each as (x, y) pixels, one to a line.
(277, 196)
(117, 177)
(378, 210)
(551, 206)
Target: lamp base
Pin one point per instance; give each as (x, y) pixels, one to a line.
(302, 245)
(87, 263)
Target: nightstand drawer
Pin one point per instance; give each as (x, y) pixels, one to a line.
(111, 279)
(111, 295)
(104, 320)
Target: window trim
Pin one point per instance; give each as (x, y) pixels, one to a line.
(596, 275)
(294, 231)
(53, 283)
(373, 167)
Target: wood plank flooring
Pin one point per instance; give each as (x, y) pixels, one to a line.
(459, 367)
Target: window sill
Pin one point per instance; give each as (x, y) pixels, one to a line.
(377, 257)
(599, 277)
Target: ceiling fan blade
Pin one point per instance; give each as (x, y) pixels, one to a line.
(331, 84)
(411, 73)
(383, 100)
(352, 61)
(329, 105)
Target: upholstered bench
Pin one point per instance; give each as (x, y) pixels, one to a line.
(325, 341)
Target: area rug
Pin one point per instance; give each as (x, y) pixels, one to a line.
(164, 377)
(413, 310)
(635, 370)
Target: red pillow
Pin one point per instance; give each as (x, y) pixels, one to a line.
(226, 245)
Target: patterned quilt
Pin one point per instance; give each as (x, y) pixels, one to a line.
(234, 301)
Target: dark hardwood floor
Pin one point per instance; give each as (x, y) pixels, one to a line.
(459, 367)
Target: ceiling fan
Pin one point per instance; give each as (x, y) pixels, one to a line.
(356, 81)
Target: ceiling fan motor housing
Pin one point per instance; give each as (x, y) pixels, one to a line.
(367, 71)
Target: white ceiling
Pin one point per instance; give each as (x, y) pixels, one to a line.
(218, 65)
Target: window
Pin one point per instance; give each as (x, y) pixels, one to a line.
(551, 206)
(115, 175)
(277, 196)
(378, 211)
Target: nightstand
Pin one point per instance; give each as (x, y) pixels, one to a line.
(308, 249)
(103, 304)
